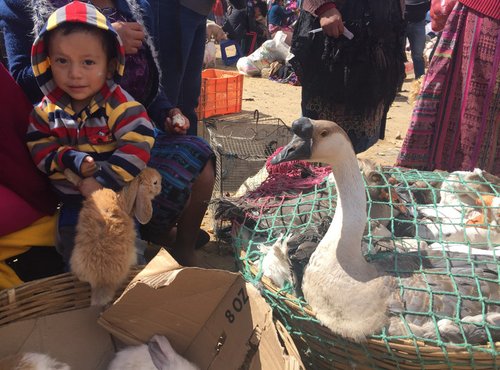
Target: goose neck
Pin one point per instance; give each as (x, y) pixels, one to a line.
(348, 224)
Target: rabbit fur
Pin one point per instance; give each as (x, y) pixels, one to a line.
(105, 234)
(31, 361)
(158, 354)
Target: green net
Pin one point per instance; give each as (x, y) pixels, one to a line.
(454, 215)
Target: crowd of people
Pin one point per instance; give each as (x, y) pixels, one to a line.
(242, 19)
(128, 100)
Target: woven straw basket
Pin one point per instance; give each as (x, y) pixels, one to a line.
(259, 217)
(322, 349)
(48, 296)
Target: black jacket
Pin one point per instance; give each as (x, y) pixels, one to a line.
(416, 10)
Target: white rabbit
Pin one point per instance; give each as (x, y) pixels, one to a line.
(158, 354)
(105, 234)
(31, 361)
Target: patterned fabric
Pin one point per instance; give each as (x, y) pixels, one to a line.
(114, 129)
(491, 8)
(455, 124)
(180, 160)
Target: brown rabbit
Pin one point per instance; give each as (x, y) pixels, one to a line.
(105, 234)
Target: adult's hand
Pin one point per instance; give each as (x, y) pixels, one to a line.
(132, 35)
(176, 122)
(331, 22)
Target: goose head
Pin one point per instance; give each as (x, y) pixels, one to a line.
(315, 141)
(327, 142)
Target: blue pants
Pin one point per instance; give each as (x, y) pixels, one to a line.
(415, 31)
(181, 35)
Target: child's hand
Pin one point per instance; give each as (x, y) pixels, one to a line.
(132, 35)
(88, 167)
(88, 185)
(176, 122)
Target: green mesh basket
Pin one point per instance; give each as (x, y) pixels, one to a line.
(264, 217)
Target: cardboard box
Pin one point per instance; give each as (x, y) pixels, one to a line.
(73, 337)
(212, 317)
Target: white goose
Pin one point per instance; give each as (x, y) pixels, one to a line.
(355, 298)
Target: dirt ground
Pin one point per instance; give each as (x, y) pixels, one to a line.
(283, 101)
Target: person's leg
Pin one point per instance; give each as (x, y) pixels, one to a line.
(192, 216)
(170, 46)
(185, 162)
(182, 34)
(416, 36)
(194, 35)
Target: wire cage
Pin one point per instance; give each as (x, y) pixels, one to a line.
(261, 217)
(242, 143)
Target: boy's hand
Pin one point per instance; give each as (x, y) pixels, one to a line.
(88, 185)
(132, 35)
(176, 122)
(331, 22)
(88, 167)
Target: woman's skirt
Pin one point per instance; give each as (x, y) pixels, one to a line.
(180, 160)
(455, 124)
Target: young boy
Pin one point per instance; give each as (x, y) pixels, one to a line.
(86, 122)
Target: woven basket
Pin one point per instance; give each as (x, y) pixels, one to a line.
(48, 296)
(339, 353)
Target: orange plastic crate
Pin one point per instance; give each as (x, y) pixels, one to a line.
(221, 93)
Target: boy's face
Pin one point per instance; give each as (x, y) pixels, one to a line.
(79, 65)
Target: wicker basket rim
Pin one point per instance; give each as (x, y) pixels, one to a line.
(405, 345)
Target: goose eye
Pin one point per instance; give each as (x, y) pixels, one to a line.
(324, 133)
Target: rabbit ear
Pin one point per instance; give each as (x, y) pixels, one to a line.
(161, 351)
(128, 195)
(143, 207)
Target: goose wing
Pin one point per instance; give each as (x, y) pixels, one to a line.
(451, 294)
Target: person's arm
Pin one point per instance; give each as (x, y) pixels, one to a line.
(329, 16)
(312, 6)
(17, 25)
(133, 131)
(48, 154)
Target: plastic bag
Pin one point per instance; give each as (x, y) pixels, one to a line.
(269, 51)
(440, 9)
